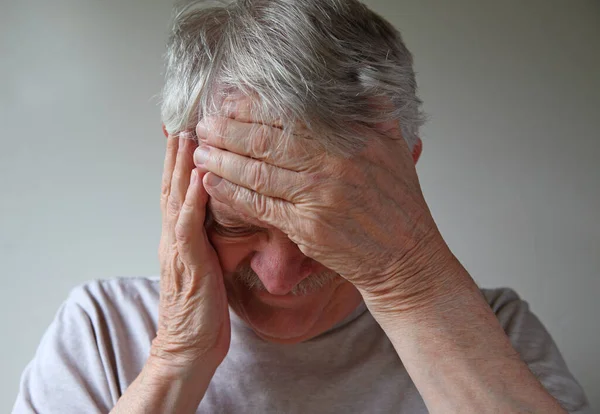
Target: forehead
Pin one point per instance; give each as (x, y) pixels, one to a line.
(226, 214)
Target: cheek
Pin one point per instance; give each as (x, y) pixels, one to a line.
(232, 252)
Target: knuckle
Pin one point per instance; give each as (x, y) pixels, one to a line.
(314, 230)
(259, 176)
(170, 263)
(217, 129)
(176, 265)
(309, 182)
(217, 158)
(182, 234)
(234, 193)
(165, 187)
(165, 190)
(313, 179)
(332, 196)
(240, 195)
(260, 205)
(187, 207)
(173, 206)
(299, 190)
(163, 201)
(259, 142)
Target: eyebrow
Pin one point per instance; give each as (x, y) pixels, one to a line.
(223, 217)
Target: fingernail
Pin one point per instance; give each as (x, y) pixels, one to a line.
(201, 130)
(194, 177)
(213, 180)
(201, 155)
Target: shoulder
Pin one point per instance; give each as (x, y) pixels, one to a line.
(114, 293)
(526, 332)
(119, 314)
(93, 349)
(118, 306)
(509, 307)
(522, 326)
(536, 346)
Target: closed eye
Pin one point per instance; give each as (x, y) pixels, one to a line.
(231, 231)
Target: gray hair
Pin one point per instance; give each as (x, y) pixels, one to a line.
(324, 64)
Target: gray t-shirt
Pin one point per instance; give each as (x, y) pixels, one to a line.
(100, 339)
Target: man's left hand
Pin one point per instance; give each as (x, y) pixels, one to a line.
(363, 216)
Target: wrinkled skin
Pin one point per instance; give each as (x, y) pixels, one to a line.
(362, 216)
(193, 320)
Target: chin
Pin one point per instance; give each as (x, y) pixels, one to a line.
(292, 319)
(282, 330)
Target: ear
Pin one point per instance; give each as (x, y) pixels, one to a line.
(417, 149)
(165, 131)
(386, 127)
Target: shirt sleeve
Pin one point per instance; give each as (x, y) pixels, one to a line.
(537, 348)
(68, 373)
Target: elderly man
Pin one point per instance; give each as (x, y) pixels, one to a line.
(301, 270)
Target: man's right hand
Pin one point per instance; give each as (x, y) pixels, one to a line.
(193, 319)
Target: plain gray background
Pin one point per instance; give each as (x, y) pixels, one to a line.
(510, 162)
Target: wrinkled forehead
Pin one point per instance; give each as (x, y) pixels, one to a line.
(225, 214)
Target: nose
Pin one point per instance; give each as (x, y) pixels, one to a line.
(280, 264)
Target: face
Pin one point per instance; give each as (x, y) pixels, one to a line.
(283, 295)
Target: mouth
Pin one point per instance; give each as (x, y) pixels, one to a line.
(283, 300)
(295, 295)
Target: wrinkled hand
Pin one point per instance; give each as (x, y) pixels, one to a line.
(362, 216)
(193, 319)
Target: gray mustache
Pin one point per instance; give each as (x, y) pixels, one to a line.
(250, 279)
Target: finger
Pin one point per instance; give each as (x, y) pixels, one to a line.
(181, 173)
(180, 182)
(273, 211)
(192, 243)
(260, 141)
(253, 174)
(240, 109)
(169, 165)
